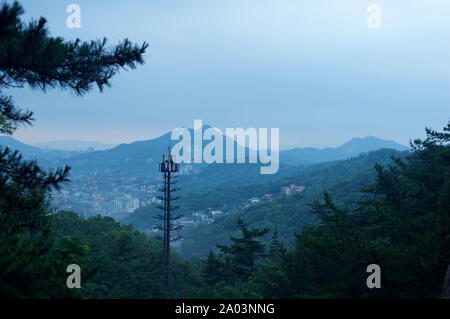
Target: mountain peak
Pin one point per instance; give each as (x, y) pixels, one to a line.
(352, 148)
(371, 143)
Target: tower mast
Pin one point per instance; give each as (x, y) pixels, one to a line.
(169, 168)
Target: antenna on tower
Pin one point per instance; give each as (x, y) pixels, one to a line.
(169, 169)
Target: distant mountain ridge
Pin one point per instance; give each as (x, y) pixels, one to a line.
(352, 148)
(141, 158)
(26, 150)
(45, 157)
(74, 145)
(136, 158)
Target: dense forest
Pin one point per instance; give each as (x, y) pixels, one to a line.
(398, 219)
(286, 214)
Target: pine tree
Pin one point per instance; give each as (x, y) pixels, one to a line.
(246, 250)
(403, 227)
(30, 57)
(212, 272)
(277, 251)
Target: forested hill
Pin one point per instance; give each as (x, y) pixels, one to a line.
(314, 176)
(319, 240)
(285, 213)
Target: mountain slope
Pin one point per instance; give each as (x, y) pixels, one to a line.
(44, 157)
(286, 214)
(142, 157)
(29, 152)
(352, 148)
(138, 158)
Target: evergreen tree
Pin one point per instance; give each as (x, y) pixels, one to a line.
(403, 227)
(29, 56)
(277, 251)
(30, 254)
(213, 270)
(245, 251)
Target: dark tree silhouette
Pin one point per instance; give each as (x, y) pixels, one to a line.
(30, 57)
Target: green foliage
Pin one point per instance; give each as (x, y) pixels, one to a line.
(403, 228)
(277, 251)
(29, 251)
(115, 254)
(396, 215)
(33, 259)
(400, 222)
(287, 214)
(122, 262)
(213, 269)
(227, 275)
(29, 56)
(245, 251)
(6, 125)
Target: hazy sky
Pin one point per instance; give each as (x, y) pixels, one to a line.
(311, 68)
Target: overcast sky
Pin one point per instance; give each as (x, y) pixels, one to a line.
(311, 68)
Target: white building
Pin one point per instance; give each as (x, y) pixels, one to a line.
(126, 204)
